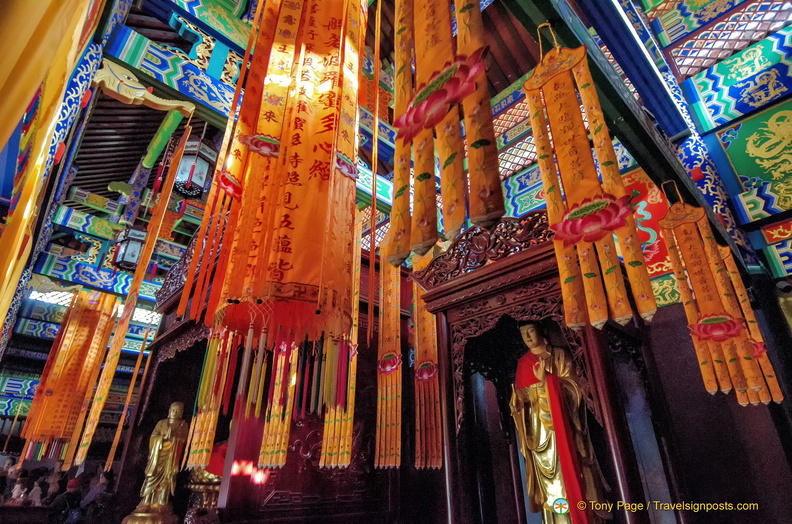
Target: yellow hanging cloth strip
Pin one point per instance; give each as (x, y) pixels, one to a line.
(389, 370)
(59, 405)
(397, 248)
(339, 414)
(592, 212)
(428, 429)
(486, 193)
(434, 111)
(729, 345)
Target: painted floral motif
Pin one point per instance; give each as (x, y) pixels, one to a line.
(717, 328)
(262, 144)
(592, 219)
(389, 363)
(757, 348)
(228, 183)
(446, 88)
(425, 370)
(346, 166)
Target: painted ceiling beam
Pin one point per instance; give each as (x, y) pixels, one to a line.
(622, 39)
(626, 120)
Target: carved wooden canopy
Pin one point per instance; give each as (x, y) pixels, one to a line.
(488, 273)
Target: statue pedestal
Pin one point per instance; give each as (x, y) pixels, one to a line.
(149, 515)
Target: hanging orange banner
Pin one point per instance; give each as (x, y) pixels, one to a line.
(486, 194)
(719, 320)
(428, 428)
(59, 407)
(593, 212)
(398, 247)
(389, 370)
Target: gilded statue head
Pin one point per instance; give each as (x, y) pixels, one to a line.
(176, 411)
(533, 336)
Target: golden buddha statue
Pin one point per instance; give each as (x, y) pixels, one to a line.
(166, 447)
(548, 410)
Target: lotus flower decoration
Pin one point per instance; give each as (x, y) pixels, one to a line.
(228, 183)
(717, 328)
(425, 371)
(346, 166)
(389, 363)
(444, 89)
(592, 219)
(264, 145)
(758, 348)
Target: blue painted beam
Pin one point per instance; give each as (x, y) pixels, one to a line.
(611, 24)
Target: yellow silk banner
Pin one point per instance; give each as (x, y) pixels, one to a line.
(344, 226)
(345, 455)
(569, 271)
(389, 370)
(428, 427)
(424, 220)
(434, 46)
(397, 249)
(451, 150)
(707, 364)
(612, 182)
(757, 340)
(486, 194)
(297, 198)
(716, 317)
(58, 407)
(114, 352)
(592, 213)
(40, 47)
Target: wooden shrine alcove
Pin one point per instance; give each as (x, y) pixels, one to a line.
(486, 276)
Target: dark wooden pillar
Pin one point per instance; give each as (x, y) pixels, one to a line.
(625, 467)
(453, 492)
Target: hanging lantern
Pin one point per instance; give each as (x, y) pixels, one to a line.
(130, 245)
(194, 170)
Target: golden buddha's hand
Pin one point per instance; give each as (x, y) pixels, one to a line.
(539, 371)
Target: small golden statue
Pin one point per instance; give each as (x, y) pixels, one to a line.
(548, 410)
(166, 447)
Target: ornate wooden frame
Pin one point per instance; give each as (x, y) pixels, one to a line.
(487, 273)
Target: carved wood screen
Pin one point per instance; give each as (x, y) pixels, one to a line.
(485, 274)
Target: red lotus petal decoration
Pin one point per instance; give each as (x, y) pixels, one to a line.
(425, 370)
(592, 219)
(264, 145)
(757, 348)
(389, 363)
(229, 184)
(717, 328)
(345, 165)
(445, 88)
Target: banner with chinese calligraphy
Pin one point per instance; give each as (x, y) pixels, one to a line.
(728, 343)
(64, 393)
(591, 213)
(397, 249)
(278, 234)
(431, 124)
(428, 429)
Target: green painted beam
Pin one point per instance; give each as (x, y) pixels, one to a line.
(625, 118)
(161, 138)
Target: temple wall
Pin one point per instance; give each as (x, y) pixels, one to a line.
(725, 452)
